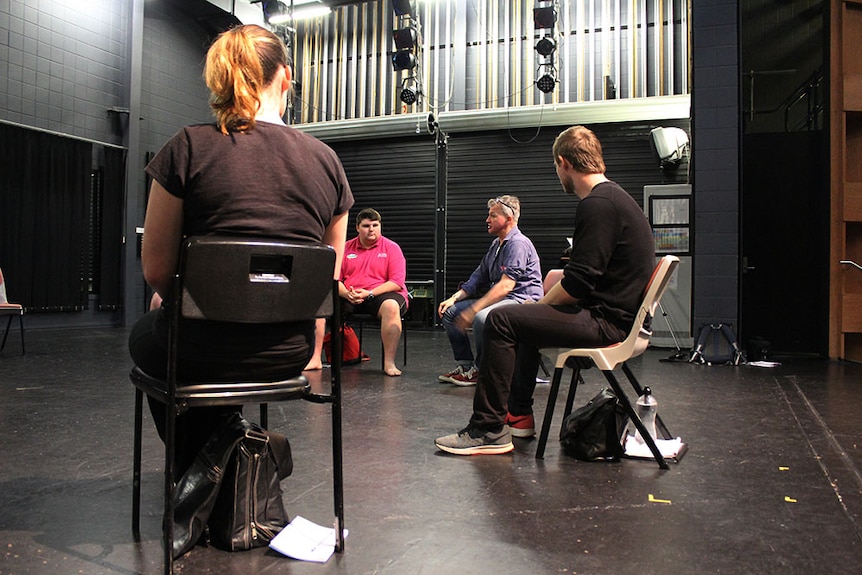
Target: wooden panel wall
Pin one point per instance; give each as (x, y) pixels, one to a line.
(845, 330)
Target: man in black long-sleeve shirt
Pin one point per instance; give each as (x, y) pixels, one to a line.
(593, 305)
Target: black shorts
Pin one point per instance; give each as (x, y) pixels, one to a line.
(373, 307)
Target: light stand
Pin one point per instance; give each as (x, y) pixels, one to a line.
(679, 355)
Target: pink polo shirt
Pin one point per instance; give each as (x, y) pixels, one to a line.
(368, 268)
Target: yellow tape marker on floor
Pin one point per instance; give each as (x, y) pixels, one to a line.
(654, 500)
(781, 468)
(789, 499)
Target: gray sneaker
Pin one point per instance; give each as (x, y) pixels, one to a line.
(472, 441)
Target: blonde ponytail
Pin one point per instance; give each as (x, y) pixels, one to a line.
(240, 64)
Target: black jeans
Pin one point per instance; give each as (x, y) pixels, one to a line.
(510, 354)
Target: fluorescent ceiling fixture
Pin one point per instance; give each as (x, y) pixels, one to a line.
(311, 11)
(302, 11)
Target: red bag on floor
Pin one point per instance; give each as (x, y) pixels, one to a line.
(350, 352)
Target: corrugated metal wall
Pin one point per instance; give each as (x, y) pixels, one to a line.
(485, 165)
(480, 54)
(398, 177)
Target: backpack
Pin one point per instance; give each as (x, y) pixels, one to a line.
(350, 352)
(716, 344)
(593, 431)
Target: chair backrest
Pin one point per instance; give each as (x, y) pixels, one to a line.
(2, 289)
(248, 280)
(607, 358)
(638, 338)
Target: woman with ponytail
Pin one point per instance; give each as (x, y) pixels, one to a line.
(248, 174)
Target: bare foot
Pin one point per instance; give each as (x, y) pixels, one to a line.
(392, 371)
(314, 365)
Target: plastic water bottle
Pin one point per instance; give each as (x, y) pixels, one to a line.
(646, 410)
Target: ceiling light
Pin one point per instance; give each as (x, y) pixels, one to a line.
(544, 17)
(546, 83)
(402, 7)
(408, 96)
(309, 11)
(405, 38)
(546, 46)
(403, 60)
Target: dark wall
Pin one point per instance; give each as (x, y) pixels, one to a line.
(715, 169)
(398, 178)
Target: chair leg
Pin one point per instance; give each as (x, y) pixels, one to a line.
(21, 324)
(542, 365)
(577, 379)
(636, 420)
(6, 333)
(168, 519)
(136, 466)
(264, 416)
(549, 412)
(570, 397)
(337, 459)
(404, 339)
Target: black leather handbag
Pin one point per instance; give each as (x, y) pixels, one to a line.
(198, 488)
(249, 510)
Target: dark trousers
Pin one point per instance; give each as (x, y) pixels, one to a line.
(195, 426)
(510, 354)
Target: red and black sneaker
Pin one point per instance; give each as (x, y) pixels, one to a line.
(521, 425)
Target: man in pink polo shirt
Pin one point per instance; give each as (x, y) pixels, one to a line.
(373, 274)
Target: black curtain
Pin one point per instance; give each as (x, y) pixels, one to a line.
(44, 201)
(111, 238)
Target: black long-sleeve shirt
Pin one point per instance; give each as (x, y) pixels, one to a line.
(613, 255)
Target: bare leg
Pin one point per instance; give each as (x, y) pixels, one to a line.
(316, 361)
(390, 333)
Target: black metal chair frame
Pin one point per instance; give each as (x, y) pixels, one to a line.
(362, 318)
(260, 281)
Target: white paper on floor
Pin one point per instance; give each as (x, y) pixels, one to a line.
(306, 541)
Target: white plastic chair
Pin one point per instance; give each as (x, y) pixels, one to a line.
(608, 358)
(10, 309)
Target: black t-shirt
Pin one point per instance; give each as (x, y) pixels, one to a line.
(272, 181)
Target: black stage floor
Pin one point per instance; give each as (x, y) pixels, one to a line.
(770, 483)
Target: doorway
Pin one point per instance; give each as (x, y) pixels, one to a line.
(784, 280)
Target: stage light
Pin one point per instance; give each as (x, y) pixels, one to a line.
(408, 96)
(402, 7)
(544, 17)
(546, 46)
(275, 12)
(405, 38)
(547, 82)
(403, 60)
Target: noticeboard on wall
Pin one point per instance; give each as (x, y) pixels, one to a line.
(669, 218)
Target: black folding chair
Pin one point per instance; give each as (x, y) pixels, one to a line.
(258, 281)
